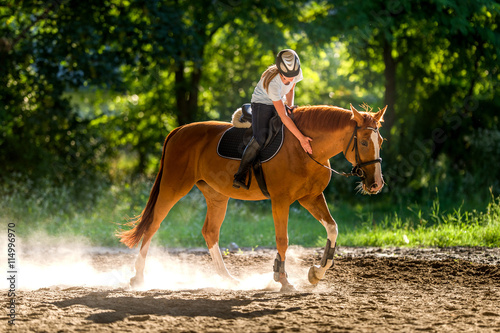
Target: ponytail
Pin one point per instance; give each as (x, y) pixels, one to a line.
(268, 75)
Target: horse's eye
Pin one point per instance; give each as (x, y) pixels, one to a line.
(364, 143)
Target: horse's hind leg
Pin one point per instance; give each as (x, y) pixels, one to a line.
(166, 200)
(318, 208)
(159, 216)
(216, 211)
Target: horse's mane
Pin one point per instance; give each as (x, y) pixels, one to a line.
(326, 118)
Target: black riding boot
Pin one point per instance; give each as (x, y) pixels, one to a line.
(247, 159)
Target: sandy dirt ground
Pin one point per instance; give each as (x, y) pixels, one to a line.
(368, 290)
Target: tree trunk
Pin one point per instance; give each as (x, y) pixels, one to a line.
(390, 86)
(181, 94)
(186, 94)
(193, 94)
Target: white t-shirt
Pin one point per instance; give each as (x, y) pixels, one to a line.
(276, 90)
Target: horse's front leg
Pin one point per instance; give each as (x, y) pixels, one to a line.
(318, 208)
(280, 216)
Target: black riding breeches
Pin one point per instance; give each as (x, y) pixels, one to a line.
(261, 114)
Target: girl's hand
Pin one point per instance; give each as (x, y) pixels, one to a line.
(304, 140)
(306, 145)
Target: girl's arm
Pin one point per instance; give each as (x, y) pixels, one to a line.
(304, 140)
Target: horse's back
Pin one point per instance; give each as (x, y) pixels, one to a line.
(195, 136)
(193, 145)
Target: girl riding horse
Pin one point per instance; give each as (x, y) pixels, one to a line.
(276, 84)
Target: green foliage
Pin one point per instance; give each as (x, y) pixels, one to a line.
(90, 89)
(49, 48)
(438, 61)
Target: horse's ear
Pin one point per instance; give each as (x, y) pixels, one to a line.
(356, 116)
(379, 116)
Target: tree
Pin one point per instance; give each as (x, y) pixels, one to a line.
(434, 58)
(142, 51)
(50, 48)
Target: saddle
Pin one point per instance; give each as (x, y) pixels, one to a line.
(246, 113)
(233, 142)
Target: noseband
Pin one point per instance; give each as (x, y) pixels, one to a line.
(357, 169)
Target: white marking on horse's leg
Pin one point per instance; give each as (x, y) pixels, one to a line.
(141, 259)
(317, 272)
(331, 231)
(219, 265)
(140, 262)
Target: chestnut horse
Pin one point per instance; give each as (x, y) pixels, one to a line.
(190, 158)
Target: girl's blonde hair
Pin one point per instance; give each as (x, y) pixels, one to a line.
(268, 75)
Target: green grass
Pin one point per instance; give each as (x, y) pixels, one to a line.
(432, 228)
(248, 224)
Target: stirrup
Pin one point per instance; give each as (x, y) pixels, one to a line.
(238, 183)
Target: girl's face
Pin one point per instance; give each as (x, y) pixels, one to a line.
(286, 80)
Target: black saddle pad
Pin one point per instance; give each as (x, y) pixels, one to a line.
(232, 144)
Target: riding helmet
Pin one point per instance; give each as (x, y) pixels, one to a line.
(288, 63)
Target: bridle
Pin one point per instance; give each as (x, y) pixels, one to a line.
(357, 169)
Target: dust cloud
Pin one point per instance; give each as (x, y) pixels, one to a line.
(49, 262)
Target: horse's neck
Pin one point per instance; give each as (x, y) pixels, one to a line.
(329, 133)
(330, 144)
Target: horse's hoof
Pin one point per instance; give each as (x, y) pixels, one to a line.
(311, 276)
(232, 281)
(287, 288)
(136, 282)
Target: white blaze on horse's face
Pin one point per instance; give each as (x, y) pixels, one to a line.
(369, 143)
(378, 183)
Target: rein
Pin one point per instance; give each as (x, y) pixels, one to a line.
(356, 170)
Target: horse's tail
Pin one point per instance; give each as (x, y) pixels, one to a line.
(142, 222)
